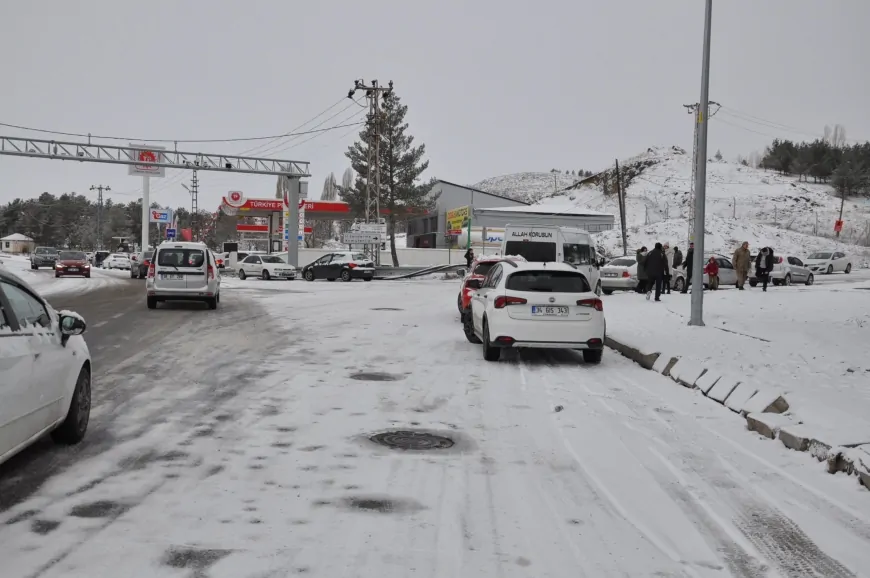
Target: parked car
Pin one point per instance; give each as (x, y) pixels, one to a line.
(43, 257)
(536, 305)
(139, 266)
(46, 369)
(620, 274)
(829, 262)
(727, 274)
(99, 258)
(72, 263)
(117, 261)
(786, 270)
(184, 271)
(344, 265)
(266, 267)
(475, 276)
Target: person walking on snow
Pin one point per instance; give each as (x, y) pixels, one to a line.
(763, 266)
(669, 261)
(689, 263)
(742, 261)
(469, 258)
(712, 271)
(656, 267)
(641, 270)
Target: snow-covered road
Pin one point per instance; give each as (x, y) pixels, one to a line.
(557, 468)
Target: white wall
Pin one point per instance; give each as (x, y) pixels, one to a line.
(407, 257)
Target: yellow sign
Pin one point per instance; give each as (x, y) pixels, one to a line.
(457, 219)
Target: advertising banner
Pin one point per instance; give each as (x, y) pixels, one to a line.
(457, 220)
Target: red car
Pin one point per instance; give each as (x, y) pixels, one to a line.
(471, 283)
(72, 263)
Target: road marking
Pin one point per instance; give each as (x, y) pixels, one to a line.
(100, 324)
(116, 315)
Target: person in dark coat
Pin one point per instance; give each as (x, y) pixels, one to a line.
(469, 258)
(656, 269)
(763, 266)
(690, 259)
(641, 270)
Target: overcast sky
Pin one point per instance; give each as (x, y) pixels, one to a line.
(492, 86)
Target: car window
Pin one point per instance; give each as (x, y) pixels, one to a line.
(181, 258)
(324, 260)
(45, 250)
(531, 251)
(27, 309)
(272, 259)
(487, 281)
(254, 259)
(578, 254)
(622, 262)
(484, 268)
(796, 261)
(724, 263)
(839, 255)
(359, 257)
(548, 282)
(820, 256)
(72, 256)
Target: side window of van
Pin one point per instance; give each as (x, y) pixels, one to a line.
(577, 254)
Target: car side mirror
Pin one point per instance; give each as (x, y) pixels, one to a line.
(71, 324)
(473, 283)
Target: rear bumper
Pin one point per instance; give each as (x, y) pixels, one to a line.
(550, 345)
(618, 282)
(358, 273)
(546, 334)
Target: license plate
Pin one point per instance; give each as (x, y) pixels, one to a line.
(610, 274)
(546, 310)
(171, 277)
(73, 270)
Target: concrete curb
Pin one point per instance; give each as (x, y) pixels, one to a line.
(763, 408)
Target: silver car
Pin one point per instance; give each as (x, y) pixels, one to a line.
(727, 273)
(183, 272)
(619, 275)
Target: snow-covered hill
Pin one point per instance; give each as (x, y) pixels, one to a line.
(528, 187)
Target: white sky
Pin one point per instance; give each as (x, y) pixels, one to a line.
(493, 86)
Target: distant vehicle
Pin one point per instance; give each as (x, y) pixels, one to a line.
(266, 267)
(90, 256)
(99, 257)
(344, 265)
(727, 273)
(72, 263)
(43, 257)
(829, 262)
(786, 270)
(620, 274)
(184, 271)
(139, 267)
(117, 261)
(536, 306)
(475, 276)
(552, 243)
(46, 370)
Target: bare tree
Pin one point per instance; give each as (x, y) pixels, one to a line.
(329, 189)
(838, 137)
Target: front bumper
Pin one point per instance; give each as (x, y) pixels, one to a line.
(68, 272)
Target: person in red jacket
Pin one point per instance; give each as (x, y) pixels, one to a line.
(712, 271)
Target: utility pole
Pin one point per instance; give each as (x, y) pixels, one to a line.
(621, 200)
(100, 189)
(697, 314)
(373, 93)
(693, 110)
(193, 189)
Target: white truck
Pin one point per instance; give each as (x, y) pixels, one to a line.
(548, 243)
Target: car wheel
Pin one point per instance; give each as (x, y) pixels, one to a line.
(592, 355)
(830, 270)
(73, 428)
(265, 275)
(345, 276)
(490, 353)
(811, 279)
(212, 303)
(56, 275)
(152, 302)
(468, 328)
(34, 267)
(309, 275)
(607, 291)
(848, 268)
(753, 282)
(459, 303)
(679, 284)
(218, 298)
(787, 280)
(242, 275)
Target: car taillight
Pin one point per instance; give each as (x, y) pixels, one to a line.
(151, 271)
(626, 274)
(501, 301)
(351, 265)
(596, 304)
(777, 260)
(210, 272)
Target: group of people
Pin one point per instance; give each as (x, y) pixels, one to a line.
(655, 267)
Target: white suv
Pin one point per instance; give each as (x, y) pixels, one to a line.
(183, 272)
(536, 305)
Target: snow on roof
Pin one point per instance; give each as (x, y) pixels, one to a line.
(16, 237)
(564, 209)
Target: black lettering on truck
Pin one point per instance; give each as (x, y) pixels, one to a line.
(532, 234)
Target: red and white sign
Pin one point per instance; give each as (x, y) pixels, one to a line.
(244, 228)
(235, 199)
(838, 226)
(147, 154)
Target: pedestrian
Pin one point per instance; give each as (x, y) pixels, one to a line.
(669, 261)
(742, 261)
(712, 271)
(763, 266)
(689, 263)
(656, 266)
(641, 270)
(469, 258)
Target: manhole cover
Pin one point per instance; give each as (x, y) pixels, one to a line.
(386, 309)
(411, 440)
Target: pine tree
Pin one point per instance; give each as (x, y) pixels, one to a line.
(718, 155)
(401, 164)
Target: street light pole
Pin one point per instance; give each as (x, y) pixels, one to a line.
(697, 314)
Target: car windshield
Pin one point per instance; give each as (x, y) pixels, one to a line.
(121, 256)
(622, 262)
(272, 259)
(820, 256)
(548, 282)
(181, 257)
(45, 250)
(482, 269)
(72, 256)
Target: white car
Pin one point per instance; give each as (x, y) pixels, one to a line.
(266, 267)
(117, 261)
(828, 262)
(45, 370)
(786, 270)
(536, 306)
(183, 271)
(619, 275)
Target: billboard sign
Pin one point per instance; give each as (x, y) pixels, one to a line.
(147, 154)
(161, 216)
(458, 219)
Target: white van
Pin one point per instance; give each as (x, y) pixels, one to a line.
(183, 271)
(548, 243)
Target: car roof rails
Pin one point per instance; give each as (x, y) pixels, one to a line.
(509, 261)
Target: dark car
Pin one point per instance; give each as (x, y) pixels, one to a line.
(73, 263)
(43, 257)
(99, 257)
(139, 266)
(344, 265)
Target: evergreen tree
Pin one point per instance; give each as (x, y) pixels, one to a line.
(401, 164)
(718, 155)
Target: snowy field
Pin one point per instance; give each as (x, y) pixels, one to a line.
(558, 468)
(44, 281)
